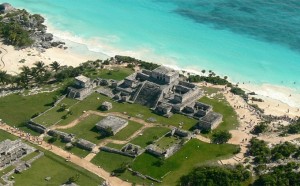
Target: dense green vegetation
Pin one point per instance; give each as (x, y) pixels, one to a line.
(260, 128)
(216, 176)
(280, 175)
(293, 128)
(216, 80)
(263, 154)
(220, 137)
(14, 34)
(142, 64)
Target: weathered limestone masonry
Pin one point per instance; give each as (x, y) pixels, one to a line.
(82, 88)
(164, 92)
(13, 151)
(166, 153)
(129, 150)
(115, 124)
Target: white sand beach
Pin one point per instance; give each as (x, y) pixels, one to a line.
(12, 59)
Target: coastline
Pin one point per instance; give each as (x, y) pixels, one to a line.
(79, 51)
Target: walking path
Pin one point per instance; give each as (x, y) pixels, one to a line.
(2, 66)
(114, 181)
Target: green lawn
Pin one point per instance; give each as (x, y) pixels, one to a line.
(149, 135)
(5, 135)
(90, 103)
(75, 150)
(86, 129)
(167, 141)
(15, 109)
(116, 73)
(58, 169)
(209, 90)
(30, 156)
(192, 154)
(55, 114)
(110, 161)
(115, 146)
(220, 105)
(127, 131)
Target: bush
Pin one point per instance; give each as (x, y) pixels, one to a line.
(260, 128)
(221, 137)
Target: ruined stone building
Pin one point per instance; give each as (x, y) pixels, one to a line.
(81, 89)
(12, 151)
(111, 122)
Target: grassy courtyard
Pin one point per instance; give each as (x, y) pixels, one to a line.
(55, 167)
(56, 113)
(220, 105)
(192, 154)
(116, 73)
(167, 141)
(86, 129)
(149, 135)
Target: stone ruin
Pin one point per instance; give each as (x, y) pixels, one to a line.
(130, 150)
(114, 123)
(84, 144)
(65, 137)
(166, 153)
(164, 92)
(13, 151)
(106, 106)
(210, 121)
(82, 88)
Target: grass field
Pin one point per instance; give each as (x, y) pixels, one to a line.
(15, 109)
(30, 156)
(192, 154)
(167, 141)
(220, 105)
(5, 135)
(86, 129)
(149, 135)
(55, 114)
(116, 146)
(116, 73)
(59, 171)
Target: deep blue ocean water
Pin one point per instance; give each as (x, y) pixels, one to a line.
(257, 40)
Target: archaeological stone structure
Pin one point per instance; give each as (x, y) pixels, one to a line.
(82, 88)
(12, 151)
(106, 106)
(111, 122)
(210, 121)
(84, 144)
(164, 92)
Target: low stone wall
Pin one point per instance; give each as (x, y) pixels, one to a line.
(36, 127)
(116, 151)
(144, 176)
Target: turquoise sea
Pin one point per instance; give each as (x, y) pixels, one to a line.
(256, 41)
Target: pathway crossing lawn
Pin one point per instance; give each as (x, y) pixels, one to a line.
(55, 114)
(75, 150)
(110, 161)
(5, 135)
(135, 110)
(192, 154)
(58, 169)
(149, 135)
(86, 129)
(15, 109)
(115, 146)
(220, 105)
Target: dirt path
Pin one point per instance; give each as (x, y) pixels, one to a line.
(114, 181)
(278, 139)
(3, 54)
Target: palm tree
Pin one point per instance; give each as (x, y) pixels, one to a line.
(3, 77)
(40, 67)
(24, 76)
(203, 71)
(55, 66)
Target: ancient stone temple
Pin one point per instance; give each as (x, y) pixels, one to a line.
(81, 89)
(12, 151)
(111, 122)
